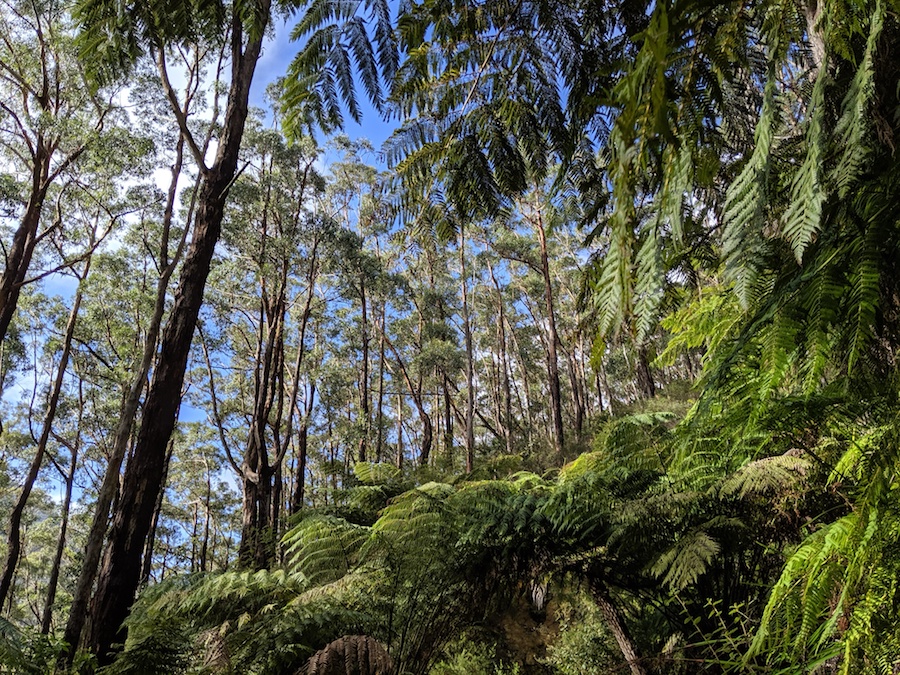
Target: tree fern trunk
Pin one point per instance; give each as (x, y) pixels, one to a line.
(617, 627)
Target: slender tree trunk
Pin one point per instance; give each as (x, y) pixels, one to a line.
(302, 453)
(379, 411)
(204, 548)
(53, 582)
(399, 430)
(364, 376)
(13, 541)
(553, 339)
(470, 369)
(120, 574)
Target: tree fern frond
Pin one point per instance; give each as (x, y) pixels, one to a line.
(766, 476)
(687, 560)
(745, 202)
(852, 128)
(804, 214)
(324, 548)
(648, 290)
(380, 473)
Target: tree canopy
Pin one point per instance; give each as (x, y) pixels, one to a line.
(591, 369)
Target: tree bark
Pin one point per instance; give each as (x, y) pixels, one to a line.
(617, 627)
(120, 574)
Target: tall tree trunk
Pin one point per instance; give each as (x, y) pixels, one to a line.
(379, 409)
(81, 596)
(120, 574)
(302, 453)
(14, 534)
(204, 547)
(470, 370)
(399, 429)
(553, 338)
(364, 376)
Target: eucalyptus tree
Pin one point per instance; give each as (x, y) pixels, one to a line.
(274, 242)
(120, 38)
(124, 356)
(50, 116)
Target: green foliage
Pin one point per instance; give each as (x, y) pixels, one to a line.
(24, 651)
(258, 621)
(321, 75)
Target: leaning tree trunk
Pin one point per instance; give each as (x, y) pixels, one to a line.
(120, 574)
(617, 627)
(127, 413)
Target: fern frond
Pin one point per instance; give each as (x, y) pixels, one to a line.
(802, 220)
(324, 548)
(687, 561)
